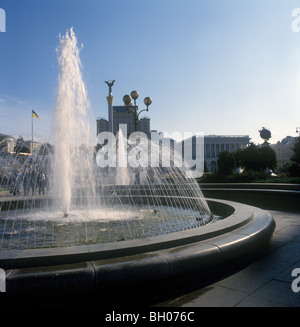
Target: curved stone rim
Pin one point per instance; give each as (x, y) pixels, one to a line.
(11, 259)
(133, 263)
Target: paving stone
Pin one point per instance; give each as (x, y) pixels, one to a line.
(266, 282)
(279, 292)
(252, 301)
(217, 296)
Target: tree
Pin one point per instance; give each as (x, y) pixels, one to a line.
(268, 158)
(296, 149)
(226, 163)
(256, 158)
(294, 168)
(248, 158)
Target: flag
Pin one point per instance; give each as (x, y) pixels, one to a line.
(34, 114)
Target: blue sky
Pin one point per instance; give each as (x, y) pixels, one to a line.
(224, 67)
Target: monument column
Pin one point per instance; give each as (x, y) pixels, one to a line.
(110, 100)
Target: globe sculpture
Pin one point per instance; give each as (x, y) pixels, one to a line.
(265, 134)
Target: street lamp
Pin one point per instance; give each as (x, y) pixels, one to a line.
(127, 99)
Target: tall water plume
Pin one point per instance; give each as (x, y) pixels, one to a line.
(132, 200)
(72, 167)
(122, 174)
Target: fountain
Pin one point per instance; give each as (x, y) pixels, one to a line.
(100, 216)
(71, 164)
(122, 175)
(89, 204)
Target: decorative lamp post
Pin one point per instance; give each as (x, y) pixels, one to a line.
(127, 99)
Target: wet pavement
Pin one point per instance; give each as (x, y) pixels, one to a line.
(265, 282)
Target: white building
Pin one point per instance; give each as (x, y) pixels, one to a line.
(214, 144)
(8, 143)
(284, 150)
(122, 117)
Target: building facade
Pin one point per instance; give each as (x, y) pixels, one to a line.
(102, 125)
(284, 150)
(121, 116)
(144, 126)
(8, 144)
(212, 145)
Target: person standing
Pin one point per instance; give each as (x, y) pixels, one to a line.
(33, 180)
(26, 182)
(41, 182)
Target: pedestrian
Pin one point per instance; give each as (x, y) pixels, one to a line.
(41, 182)
(18, 184)
(150, 175)
(33, 180)
(137, 176)
(26, 182)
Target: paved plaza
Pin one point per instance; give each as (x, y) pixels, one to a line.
(266, 282)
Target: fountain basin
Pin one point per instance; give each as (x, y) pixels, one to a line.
(129, 264)
(117, 213)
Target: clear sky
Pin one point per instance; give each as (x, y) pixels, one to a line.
(224, 67)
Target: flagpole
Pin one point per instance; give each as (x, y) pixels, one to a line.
(31, 132)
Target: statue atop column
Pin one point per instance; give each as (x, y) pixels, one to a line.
(110, 84)
(110, 100)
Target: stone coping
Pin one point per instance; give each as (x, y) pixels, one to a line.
(268, 196)
(134, 263)
(10, 259)
(252, 186)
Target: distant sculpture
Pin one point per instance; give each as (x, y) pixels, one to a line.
(110, 84)
(265, 134)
